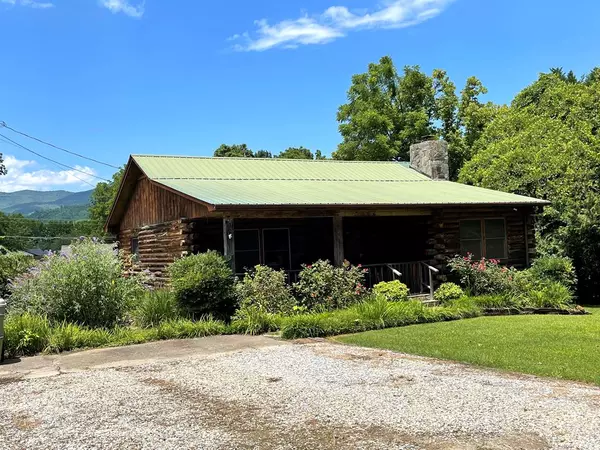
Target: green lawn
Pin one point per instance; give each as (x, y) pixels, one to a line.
(556, 346)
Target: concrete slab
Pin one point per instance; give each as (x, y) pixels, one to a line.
(52, 365)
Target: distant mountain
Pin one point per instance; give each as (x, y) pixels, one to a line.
(47, 205)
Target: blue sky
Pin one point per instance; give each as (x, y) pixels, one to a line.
(109, 77)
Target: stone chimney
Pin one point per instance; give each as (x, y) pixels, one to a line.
(431, 159)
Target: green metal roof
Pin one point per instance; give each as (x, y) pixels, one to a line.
(278, 182)
(183, 167)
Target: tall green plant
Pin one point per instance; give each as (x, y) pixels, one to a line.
(86, 287)
(267, 290)
(203, 284)
(155, 307)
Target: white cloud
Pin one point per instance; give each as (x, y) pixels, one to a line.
(123, 6)
(336, 22)
(25, 174)
(29, 3)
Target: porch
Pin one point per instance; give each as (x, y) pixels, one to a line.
(389, 247)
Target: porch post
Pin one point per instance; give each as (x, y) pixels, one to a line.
(338, 241)
(229, 241)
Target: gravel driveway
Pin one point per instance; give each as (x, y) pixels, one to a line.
(310, 395)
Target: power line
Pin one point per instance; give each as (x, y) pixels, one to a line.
(56, 162)
(19, 146)
(3, 124)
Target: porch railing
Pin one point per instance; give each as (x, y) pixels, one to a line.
(417, 275)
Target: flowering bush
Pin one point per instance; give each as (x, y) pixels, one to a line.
(267, 290)
(448, 292)
(482, 277)
(393, 291)
(322, 286)
(85, 287)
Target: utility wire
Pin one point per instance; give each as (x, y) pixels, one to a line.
(3, 124)
(5, 141)
(56, 162)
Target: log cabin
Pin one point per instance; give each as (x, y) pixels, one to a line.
(399, 220)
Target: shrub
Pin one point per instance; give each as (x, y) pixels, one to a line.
(203, 284)
(25, 334)
(86, 287)
(448, 292)
(462, 308)
(321, 324)
(12, 265)
(183, 328)
(393, 291)
(267, 290)
(323, 286)
(94, 337)
(69, 336)
(552, 295)
(253, 320)
(155, 307)
(554, 268)
(131, 336)
(482, 277)
(375, 311)
(373, 314)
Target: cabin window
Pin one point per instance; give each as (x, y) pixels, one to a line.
(276, 248)
(135, 248)
(483, 238)
(247, 249)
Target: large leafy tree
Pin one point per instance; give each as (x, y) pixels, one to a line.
(102, 200)
(236, 150)
(387, 112)
(547, 145)
(300, 153)
(240, 151)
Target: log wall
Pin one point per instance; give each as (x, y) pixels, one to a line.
(159, 245)
(443, 230)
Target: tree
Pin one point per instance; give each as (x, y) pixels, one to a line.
(236, 150)
(240, 151)
(263, 154)
(12, 225)
(296, 153)
(3, 170)
(386, 113)
(102, 199)
(547, 145)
